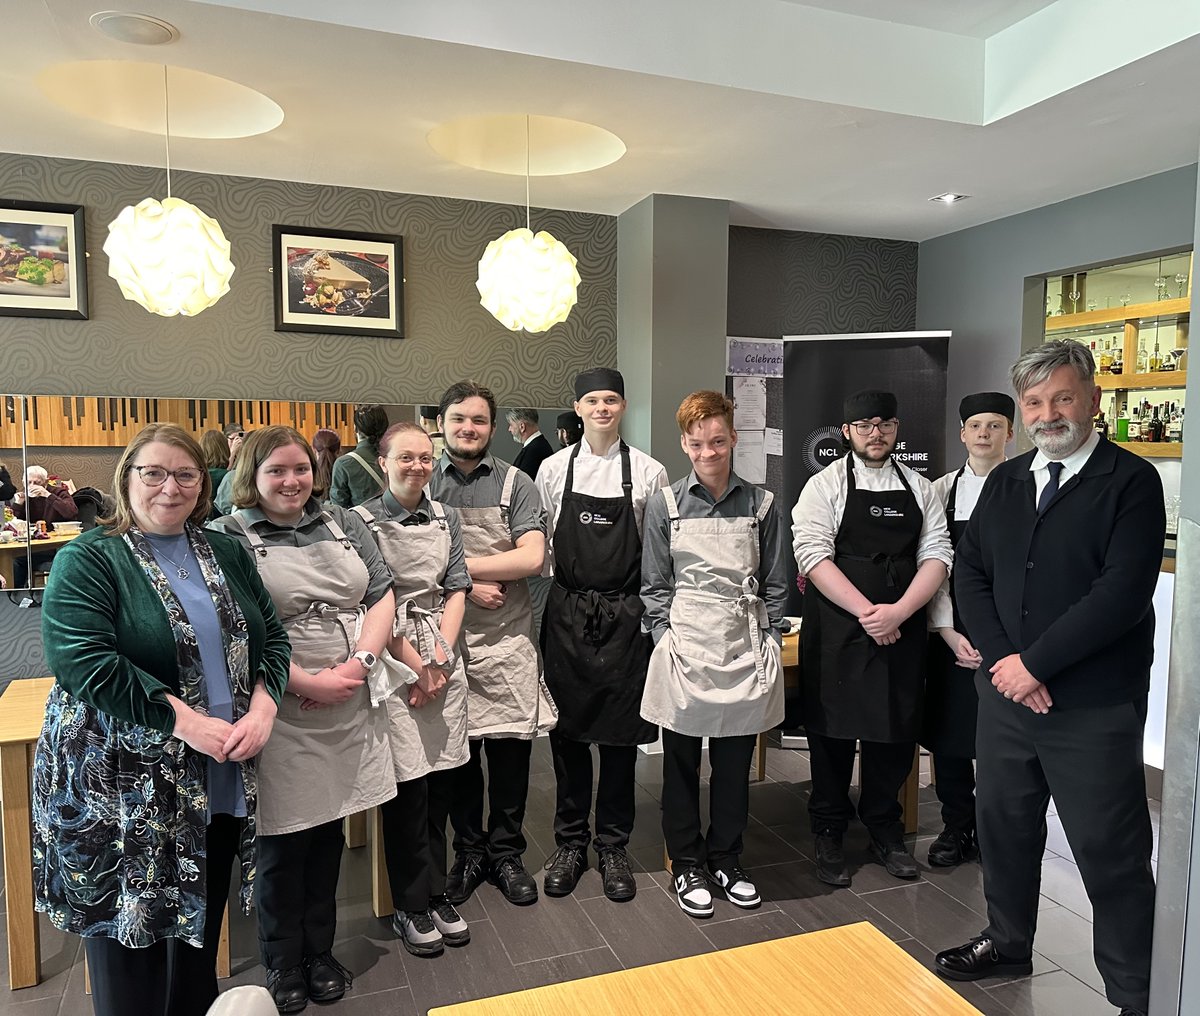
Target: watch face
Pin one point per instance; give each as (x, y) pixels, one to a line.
(368, 659)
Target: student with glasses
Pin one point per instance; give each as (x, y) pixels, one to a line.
(870, 535)
(169, 662)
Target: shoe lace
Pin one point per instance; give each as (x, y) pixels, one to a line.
(616, 862)
(567, 856)
(422, 920)
(691, 879)
(444, 909)
(510, 866)
(329, 961)
(275, 976)
(735, 875)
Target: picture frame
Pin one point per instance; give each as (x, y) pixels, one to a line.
(43, 260)
(338, 282)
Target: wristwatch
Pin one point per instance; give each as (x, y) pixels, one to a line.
(367, 659)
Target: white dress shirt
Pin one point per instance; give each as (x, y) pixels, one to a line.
(597, 476)
(941, 610)
(1072, 464)
(818, 513)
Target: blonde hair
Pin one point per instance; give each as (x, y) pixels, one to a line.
(122, 518)
(259, 446)
(215, 446)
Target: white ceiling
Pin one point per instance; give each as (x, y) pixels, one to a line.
(801, 118)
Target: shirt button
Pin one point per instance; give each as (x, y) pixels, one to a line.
(1028, 564)
(1024, 613)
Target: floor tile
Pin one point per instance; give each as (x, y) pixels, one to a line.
(795, 890)
(648, 929)
(934, 919)
(1062, 883)
(1053, 994)
(972, 992)
(551, 927)
(395, 1002)
(1056, 838)
(59, 953)
(568, 968)
(744, 930)
(1065, 939)
(478, 970)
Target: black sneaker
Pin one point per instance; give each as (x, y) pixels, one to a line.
(327, 978)
(448, 921)
(895, 857)
(288, 988)
(467, 875)
(415, 928)
(831, 861)
(510, 877)
(952, 848)
(564, 869)
(619, 884)
(692, 890)
(738, 886)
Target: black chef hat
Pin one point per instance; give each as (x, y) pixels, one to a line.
(987, 402)
(599, 379)
(569, 422)
(868, 404)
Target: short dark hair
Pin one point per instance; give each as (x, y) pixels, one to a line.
(371, 421)
(234, 428)
(462, 390)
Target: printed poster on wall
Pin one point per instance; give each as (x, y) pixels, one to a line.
(753, 357)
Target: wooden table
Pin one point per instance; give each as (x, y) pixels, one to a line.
(21, 709)
(9, 552)
(848, 971)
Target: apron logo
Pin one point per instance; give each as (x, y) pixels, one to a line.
(876, 511)
(884, 513)
(588, 518)
(585, 517)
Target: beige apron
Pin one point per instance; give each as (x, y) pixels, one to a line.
(716, 672)
(320, 764)
(434, 736)
(506, 696)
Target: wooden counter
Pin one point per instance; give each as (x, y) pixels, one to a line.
(10, 552)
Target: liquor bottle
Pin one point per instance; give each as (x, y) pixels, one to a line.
(1143, 358)
(1101, 424)
(1105, 357)
(1135, 426)
(1118, 359)
(1155, 357)
(1173, 428)
(1123, 423)
(1156, 427)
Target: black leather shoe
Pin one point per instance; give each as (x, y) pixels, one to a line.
(288, 989)
(511, 878)
(564, 869)
(952, 848)
(327, 978)
(831, 861)
(978, 959)
(1133, 1012)
(619, 883)
(467, 875)
(896, 858)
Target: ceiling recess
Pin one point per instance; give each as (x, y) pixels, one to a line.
(138, 29)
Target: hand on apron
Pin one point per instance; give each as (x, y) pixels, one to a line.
(489, 595)
(430, 681)
(337, 685)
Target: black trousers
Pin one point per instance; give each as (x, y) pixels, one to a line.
(507, 789)
(955, 786)
(170, 977)
(883, 768)
(414, 839)
(296, 891)
(614, 793)
(728, 802)
(1090, 760)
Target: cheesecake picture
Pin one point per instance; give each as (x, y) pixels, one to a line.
(326, 270)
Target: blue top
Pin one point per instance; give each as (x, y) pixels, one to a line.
(225, 792)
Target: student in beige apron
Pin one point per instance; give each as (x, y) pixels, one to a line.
(714, 585)
(329, 755)
(503, 530)
(421, 541)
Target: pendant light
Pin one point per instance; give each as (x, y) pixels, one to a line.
(169, 256)
(527, 281)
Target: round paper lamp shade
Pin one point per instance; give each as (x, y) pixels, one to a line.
(169, 256)
(527, 282)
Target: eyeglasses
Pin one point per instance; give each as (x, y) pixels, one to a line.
(408, 460)
(156, 476)
(863, 429)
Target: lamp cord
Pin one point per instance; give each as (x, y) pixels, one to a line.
(527, 226)
(167, 124)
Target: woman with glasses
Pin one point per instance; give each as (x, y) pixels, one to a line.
(330, 756)
(421, 540)
(870, 535)
(169, 662)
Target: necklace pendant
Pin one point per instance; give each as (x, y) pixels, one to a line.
(182, 572)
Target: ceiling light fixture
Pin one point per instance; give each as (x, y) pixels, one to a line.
(169, 256)
(138, 29)
(949, 198)
(527, 281)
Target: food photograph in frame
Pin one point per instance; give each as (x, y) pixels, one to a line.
(335, 281)
(43, 264)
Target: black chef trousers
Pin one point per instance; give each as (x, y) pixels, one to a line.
(170, 977)
(883, 768)
(614, 793)
(507, 790)
(728, 802)
(954, 781)
(414, 839)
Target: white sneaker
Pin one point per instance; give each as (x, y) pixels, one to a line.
(417, 931)
(739, 890)
(448, 921)
(691, 888)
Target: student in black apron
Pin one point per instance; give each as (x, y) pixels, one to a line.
(951, 702)
(871, 537)
(595, 651)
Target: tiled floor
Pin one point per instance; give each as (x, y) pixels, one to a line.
(560, 939)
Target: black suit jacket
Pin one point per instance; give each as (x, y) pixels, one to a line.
(530, 458)
(1071, 590)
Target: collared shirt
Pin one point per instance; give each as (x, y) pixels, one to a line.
(532, 437)
(817, 514)
(482, 487)
(596, 476)
(740, 500)
(940, 612)
(386, 507)
(1072, 465)
(311, 530)
(352, 483)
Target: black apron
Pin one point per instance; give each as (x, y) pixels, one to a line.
(951, 701)
(593, 646)
(854, 688)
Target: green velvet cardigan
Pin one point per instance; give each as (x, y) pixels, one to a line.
(107, 639)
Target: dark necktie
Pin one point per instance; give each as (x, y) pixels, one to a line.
(1051, 487)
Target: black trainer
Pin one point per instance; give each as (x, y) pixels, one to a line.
(831, 861)
(895, 857)
(564, 869)
(467, 875)
(952, 848)
(510, 877)
(619, 884)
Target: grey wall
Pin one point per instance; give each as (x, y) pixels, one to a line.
(973, 281)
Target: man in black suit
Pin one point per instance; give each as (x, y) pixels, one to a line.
(535, 449)
(1054, 579)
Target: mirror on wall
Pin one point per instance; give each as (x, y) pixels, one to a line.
(60, 453)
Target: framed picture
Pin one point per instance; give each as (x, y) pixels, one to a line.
(335, 281)
(43, 264)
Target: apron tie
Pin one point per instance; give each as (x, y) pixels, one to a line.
(751, 606)
(422, 631)
(890, 574)
(598, 615)
(327, 612)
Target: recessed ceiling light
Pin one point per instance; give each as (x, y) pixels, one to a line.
(949, 198)
(139, 29)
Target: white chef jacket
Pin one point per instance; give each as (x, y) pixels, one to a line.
(941, 611)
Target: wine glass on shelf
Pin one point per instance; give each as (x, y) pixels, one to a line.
(1091, 305)
(1161, 285)
(1181, 281)
(1125, 298)
(1073, 296)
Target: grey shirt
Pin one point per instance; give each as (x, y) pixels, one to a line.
(310, 530)
(387, 508)
(740, 500)
(482, 488)
(351, 483)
